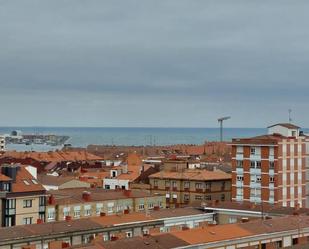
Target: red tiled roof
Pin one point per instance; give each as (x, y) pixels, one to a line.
(25, 182)
(4, 178)
(53, 156)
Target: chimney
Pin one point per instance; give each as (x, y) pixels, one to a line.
(86, 196)
(114, 238)
(65, 245)
(68, 218)
(51, 200)
(156, 208)
(39, 221)
(126, 211)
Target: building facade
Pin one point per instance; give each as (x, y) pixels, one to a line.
(82, 203)
(191, 186)
(270, 168)
(22, 197)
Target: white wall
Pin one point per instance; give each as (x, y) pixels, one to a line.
(115, 182)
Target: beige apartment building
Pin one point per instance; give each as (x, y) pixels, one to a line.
(67, 204)
(191, 186)
(22, 197)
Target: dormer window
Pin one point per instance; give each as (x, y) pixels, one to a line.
(6, 187)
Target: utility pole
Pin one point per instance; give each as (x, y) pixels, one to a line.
(220, 120)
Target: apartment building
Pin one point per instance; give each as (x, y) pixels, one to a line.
(22, 197)
(2, 143)
(271, 168)
(82, 203)
(191, 186)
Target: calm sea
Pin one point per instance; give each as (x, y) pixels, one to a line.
(83, 136)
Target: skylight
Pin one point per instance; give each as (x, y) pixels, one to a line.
(26, 182)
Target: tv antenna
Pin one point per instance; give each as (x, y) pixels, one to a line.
(290, 118)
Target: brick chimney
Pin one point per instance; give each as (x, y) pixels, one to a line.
(51, 200)
(68, 218)
(86, 196)
(39, 221)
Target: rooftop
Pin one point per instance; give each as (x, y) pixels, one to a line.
(286, 125)
(53, 156)
(71, 196)
(61, 227)
(195, 175)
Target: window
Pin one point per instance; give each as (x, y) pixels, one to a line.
(50, 213)
(10, 204)
(141, 206)
(232, 220)
(252, 151)
(240, 178)
(198, 197)
(167, 184)
(207, 197)
(258, 178)
(186, 197)
(222, 197)
(198, 185)
(187, 185)
(239, 150)
(27, 221)
(208, 185)
(66, 212)
(99, 208)
(150, 205)
(87, 210)
(77, 212)
(42, 201)
(128, 234)
(26, 182)
(271, 179)
(271, 165)
(27, 203)
(155, 183)
(295, 241)
(223, 186)
(107, 187)
(239, 164)
(255, 164)
(174, 184)
(6, 187)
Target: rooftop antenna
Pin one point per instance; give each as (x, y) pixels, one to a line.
(290, 118)
(220, 120)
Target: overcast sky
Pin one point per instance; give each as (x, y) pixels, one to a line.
(169, 63)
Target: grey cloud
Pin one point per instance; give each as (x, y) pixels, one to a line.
(234, 57)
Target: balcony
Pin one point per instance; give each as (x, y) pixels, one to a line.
(167, 188)
(199, 190)
(186, 189)
(174, 188)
